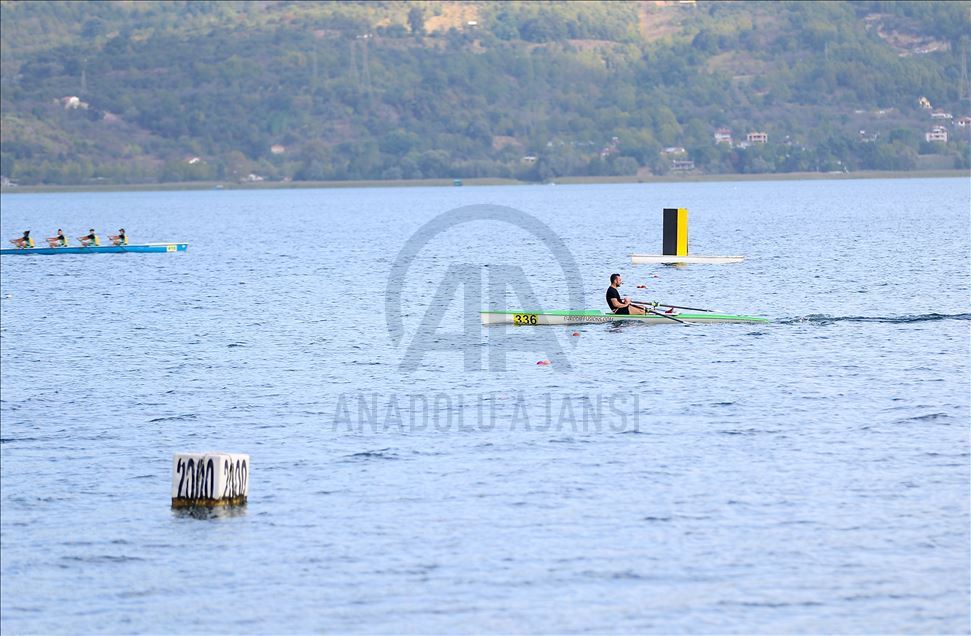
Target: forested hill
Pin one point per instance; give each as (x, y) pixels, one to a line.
(135, 92)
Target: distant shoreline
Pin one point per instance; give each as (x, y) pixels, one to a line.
(411, 183)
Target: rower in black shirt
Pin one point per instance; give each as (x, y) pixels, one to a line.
(89, 239)
(24, 241)
(617, 304)
(58, 241)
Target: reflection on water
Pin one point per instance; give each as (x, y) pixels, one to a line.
(209, 512)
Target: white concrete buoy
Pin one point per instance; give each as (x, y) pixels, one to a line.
(209, 479)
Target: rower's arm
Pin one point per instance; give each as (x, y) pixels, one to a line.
(617, 304)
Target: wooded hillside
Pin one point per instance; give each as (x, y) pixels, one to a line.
(140, 92)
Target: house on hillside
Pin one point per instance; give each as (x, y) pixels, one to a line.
(757, 138)
(72, 103)
(723, 136)
(964, 122)
(277, 149)
(610, 148)
(941, 115)
(682, 165)
(937, 133)
(924, 103)
(529, 160)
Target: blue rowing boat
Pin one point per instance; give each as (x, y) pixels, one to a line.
(100, 249)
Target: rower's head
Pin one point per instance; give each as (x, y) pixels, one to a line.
(121, 231)
(91, 230)
(615, 280)
(26, 233)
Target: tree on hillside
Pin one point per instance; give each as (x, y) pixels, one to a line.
(416, 21)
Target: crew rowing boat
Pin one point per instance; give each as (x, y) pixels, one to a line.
(594, 317)
(100, 249)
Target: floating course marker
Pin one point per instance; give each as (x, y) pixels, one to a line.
(675, 232)
(675, 244)
(209, 479)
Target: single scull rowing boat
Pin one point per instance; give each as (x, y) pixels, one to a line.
(594, 317)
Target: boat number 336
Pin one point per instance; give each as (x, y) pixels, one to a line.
(524, 319)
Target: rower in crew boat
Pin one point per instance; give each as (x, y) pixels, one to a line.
(617, 304)
(58, 241)
(89, 239)
(120, 238)
(24, 241)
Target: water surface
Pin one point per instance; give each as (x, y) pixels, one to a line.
(811, 475)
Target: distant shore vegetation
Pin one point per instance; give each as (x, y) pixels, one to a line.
(244, 92)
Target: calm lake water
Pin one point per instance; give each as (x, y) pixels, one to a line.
(808, 475)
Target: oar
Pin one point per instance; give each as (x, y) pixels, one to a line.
(672, 306)
(658, 313)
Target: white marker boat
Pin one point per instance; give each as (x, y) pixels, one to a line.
(675, 245)
(672, 259)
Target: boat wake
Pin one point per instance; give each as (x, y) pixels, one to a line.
(823, 319)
